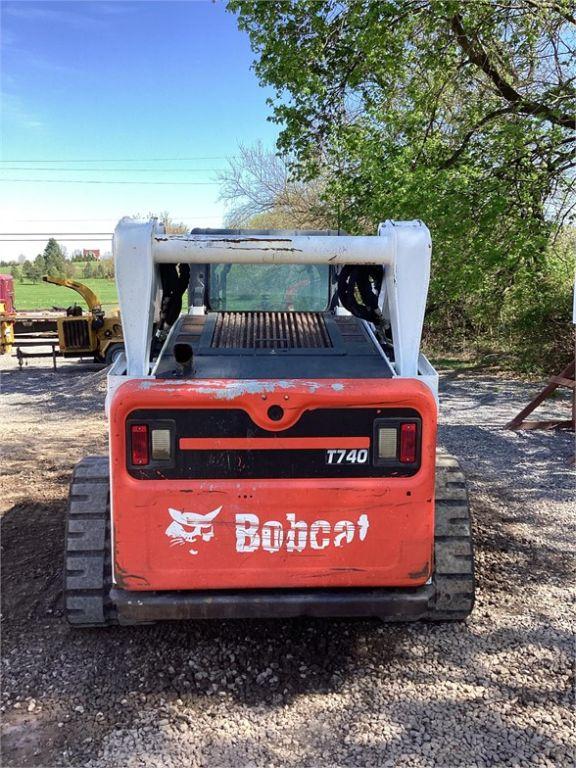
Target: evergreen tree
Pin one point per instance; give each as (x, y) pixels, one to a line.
(54, 258)
(32, 270)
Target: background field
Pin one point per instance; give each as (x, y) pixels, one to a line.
(30, 296)
(255, 287)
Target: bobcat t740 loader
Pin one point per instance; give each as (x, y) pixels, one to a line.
(273, 449)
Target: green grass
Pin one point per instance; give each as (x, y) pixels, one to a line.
(29, 296)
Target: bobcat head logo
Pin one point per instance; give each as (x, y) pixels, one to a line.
(187, 527)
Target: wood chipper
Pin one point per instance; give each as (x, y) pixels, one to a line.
(96, 334)
(273, 449)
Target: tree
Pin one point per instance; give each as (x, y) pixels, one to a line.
(99, 270)
(108, 267)
(32, 271)
(261, 193)
(450, 80)
(461, 114)
(69, 270)
(15, 271)
(53, 260)
(172, 227)
(87, 271)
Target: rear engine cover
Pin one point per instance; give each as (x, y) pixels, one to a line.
(263, 490)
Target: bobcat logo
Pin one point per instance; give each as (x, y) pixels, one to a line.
(187, 527)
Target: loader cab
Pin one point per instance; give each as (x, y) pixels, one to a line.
(245, 319)
(232, 287)
(281, 320)
(268, 287)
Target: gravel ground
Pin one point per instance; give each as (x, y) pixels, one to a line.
(494, 691)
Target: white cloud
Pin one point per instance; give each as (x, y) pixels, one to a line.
(12, 110)
(47, 13)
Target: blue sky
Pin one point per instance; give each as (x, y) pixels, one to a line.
(120, 81)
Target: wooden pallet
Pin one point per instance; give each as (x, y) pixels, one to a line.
(567, 378)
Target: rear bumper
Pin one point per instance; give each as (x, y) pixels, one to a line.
(385, 604)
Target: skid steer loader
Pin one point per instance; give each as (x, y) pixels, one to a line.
(276, 456)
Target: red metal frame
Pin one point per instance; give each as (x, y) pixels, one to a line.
(384, 526)
(7, 293)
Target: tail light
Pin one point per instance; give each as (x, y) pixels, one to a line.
(150, 444)
(396, 442)
(408, 443)
(140, 453)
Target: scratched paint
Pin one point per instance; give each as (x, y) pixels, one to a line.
(229, 390)
(204, 241)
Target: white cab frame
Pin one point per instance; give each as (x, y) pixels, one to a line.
(403, 247)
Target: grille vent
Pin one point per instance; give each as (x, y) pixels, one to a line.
(77, 334)
(270, 330)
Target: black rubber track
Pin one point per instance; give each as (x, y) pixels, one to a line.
(88, 566)
(453, 546)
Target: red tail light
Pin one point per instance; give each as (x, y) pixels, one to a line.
(139, 444)
(408, 443)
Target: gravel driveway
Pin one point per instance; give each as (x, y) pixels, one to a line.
(495, 691)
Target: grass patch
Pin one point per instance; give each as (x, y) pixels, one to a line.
(29, 296)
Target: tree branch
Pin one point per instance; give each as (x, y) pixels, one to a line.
(557, 7)
(478, 56)
(467, 136)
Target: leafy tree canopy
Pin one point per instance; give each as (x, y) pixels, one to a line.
(462, 114)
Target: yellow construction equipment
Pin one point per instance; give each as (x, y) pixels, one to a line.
(92, 334)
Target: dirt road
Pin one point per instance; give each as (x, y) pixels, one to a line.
(496, 691)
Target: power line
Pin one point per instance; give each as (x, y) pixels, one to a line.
(113, 170)
(101, 181)
(115, 219)
(126, 159)
(60, 240)
(52, 234)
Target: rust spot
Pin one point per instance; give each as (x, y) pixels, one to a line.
(330, 571)
(268, 244)
(417, 575)
(252, 240)
(283, 250)
(122, 576)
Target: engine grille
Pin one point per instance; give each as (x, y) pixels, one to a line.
(77, 334)
(270, 330)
